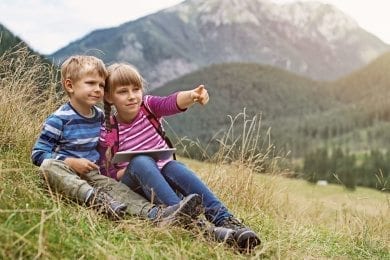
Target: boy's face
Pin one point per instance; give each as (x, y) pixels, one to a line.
(87, 91)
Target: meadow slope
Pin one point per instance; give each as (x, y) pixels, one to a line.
(295, 220)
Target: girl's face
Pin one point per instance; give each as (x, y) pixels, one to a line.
(127, 101)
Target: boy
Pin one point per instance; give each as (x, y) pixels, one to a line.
(67, 155)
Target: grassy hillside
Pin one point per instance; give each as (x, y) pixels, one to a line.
(295, 220)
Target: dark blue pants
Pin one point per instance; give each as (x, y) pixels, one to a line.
(165, 187)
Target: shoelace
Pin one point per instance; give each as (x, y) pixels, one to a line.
(234, 222)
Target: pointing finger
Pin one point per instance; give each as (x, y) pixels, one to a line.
(199, 89)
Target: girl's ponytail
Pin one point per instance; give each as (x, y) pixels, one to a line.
(107, 116)
(109, 136)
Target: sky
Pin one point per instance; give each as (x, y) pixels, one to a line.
(48, 25)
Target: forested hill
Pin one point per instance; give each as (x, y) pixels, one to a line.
(279, 96)
(367, 84)
(11, 42)
(303, 114)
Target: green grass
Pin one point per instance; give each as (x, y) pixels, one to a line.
(295, 219)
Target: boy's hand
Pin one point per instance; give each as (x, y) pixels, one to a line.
(200, 95)
(81, 165)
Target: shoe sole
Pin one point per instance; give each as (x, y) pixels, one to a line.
(118, 212)
(190, 208)
(113, 213)
(247, 240)
(222, 235)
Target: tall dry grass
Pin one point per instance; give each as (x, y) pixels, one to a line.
(245, 150)
(27, 95)
(299, 219)
(295, 220)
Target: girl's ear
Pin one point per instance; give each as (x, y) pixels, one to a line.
(68, 86)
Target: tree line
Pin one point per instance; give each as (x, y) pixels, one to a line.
(369, 169)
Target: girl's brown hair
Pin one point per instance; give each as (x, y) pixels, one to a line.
(120, 74)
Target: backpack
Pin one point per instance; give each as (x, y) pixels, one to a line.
(112, 138)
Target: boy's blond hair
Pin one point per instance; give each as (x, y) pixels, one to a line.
(77, 66)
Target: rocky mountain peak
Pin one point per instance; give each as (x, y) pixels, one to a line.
(222, 12)
(309, 38)
(314, 17)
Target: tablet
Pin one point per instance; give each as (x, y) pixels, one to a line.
(157, 154)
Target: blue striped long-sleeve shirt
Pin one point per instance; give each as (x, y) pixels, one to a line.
(66, 133)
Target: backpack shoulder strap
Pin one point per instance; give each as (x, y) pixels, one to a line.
(157, 125)
(112, 144)
(152, 119)
(115, 134)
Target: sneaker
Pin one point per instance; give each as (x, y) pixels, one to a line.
(222, 235)
(244, 238)
(217, 234)
(182, 213)
(103, 201)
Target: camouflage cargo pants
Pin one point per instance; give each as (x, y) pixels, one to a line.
(62, 179)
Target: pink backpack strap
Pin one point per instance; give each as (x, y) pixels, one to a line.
(157, 125)
(112, 136)
(152, 119)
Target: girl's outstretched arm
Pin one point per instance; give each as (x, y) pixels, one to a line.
(185, 99)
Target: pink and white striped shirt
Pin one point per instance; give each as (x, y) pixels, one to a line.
(140, 134)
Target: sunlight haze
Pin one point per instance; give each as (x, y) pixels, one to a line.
(50, 25)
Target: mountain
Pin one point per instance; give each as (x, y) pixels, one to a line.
(17, 59)
(365, 84)
(311, 39)
(11, 42)
(303, 114)
(8, 40)
(367, 90)
(284, 100)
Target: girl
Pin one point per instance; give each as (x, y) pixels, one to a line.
(160, 180)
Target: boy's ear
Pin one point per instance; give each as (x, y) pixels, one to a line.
(68, 85)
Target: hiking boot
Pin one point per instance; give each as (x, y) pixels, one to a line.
(103, 201)
(181, 213)
(217, 234)
(222, 235)
(244, 238)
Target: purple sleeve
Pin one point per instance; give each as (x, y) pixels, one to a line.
(163, 106)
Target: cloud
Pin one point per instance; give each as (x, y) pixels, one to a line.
(47, 25)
